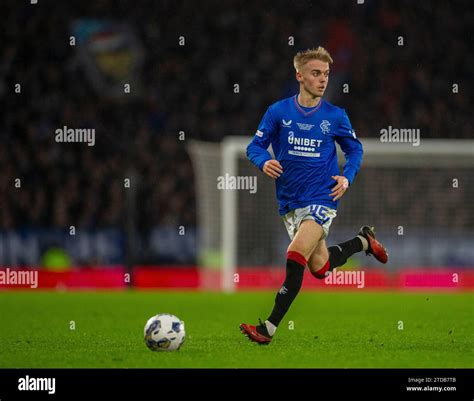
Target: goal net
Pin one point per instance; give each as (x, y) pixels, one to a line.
(419, 198)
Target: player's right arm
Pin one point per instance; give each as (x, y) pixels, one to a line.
(257, 151)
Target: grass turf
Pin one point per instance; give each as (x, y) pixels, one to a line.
(329, 329)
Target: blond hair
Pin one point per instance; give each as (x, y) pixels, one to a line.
(320, 53)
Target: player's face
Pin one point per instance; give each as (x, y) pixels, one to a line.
(314, 77)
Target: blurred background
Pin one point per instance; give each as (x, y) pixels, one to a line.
(157, 80)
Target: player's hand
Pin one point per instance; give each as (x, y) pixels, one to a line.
(272, 168)
(340, 188)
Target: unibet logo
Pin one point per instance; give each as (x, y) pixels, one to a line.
(294, 140)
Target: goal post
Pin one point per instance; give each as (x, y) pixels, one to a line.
(418, 197)
(231, 151)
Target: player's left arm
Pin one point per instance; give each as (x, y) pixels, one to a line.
(353, 152)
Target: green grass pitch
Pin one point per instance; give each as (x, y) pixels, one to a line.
(326, 329)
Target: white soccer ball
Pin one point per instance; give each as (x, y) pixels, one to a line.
(164, 332)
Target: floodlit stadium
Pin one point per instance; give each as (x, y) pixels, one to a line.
(127, 191)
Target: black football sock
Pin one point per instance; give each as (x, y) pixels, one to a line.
(295, 265)
(338, 255)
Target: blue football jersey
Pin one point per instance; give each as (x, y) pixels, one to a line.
(304, 142)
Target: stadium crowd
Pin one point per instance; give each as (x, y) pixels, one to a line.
(400, 68)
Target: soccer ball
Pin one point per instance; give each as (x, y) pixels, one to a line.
(164, 332)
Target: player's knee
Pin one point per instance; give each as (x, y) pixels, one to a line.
(295, 247)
